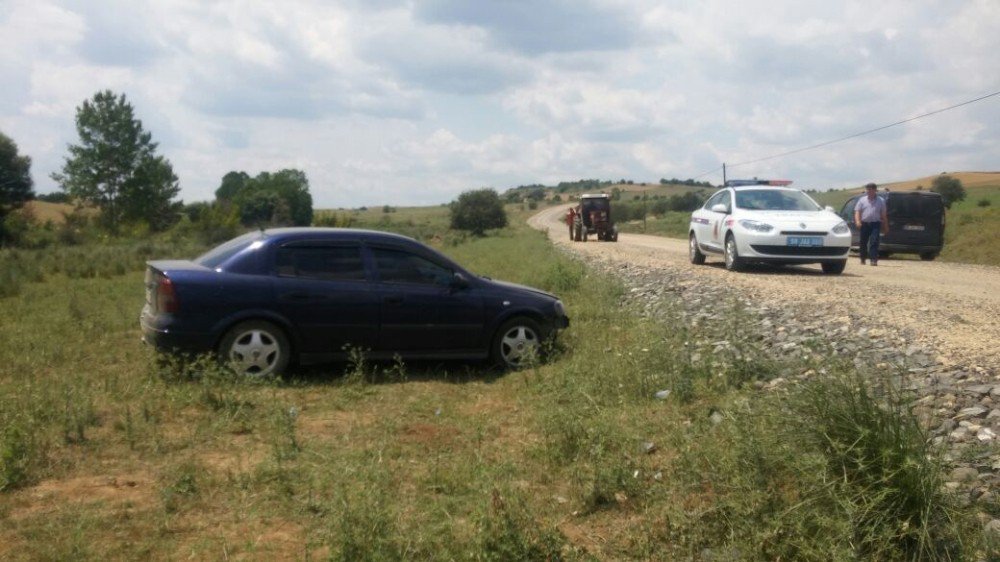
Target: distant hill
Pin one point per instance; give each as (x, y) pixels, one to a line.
(43, 211)
(972, 181)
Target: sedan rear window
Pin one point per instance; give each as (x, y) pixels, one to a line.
(327, 263)
(220, 254)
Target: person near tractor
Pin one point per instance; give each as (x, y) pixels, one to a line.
(871, 218)
(571, 220)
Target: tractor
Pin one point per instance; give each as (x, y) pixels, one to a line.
(592, 216)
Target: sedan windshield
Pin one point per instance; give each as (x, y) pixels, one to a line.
(774, 200)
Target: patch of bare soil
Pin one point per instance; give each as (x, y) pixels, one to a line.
(134, 491)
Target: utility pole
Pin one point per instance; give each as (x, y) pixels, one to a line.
(723, 174)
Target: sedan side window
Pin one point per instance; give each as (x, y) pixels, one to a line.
(713, 200)
(326, 263)
(396, 266)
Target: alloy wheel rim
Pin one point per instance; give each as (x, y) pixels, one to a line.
(518, 345)
(254, 353)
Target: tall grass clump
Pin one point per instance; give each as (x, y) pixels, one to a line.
(507, 531)
(365, 528)
(883, 471)
(17, 452)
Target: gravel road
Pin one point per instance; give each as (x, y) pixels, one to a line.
(953, 309)
(938, 322)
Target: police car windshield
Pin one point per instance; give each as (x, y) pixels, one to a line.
(774, 200)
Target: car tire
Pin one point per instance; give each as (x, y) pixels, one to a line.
(928, 256)
(694, 253)
(834, 267)
(733, 260)
(517, 343)
(256, 349)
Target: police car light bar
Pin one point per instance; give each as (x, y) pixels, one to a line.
(738, 183)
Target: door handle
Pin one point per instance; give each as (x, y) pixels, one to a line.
(299, 297)
(393, 299)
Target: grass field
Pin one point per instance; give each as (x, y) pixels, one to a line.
(106, 453)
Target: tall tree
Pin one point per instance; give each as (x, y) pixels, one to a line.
(232, 184)
(15, 177)
(280, 198)
(115, 166)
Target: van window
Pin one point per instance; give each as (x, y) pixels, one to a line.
(847, 213)
(905, 205)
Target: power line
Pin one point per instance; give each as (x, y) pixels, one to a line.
(855, 135)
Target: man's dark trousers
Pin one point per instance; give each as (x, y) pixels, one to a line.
(870, 234)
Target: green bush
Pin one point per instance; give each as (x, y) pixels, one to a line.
(478, 211)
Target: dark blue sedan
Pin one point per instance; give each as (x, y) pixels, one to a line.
(312, 294)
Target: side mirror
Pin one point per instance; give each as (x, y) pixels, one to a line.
(459, 282)
(829, 209)
(720, 208)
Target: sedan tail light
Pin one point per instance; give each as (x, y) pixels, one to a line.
(166, 297)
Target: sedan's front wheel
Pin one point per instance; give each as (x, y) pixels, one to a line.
(517, 344)
(834, 267)
(256, 349)
(733, 260)
(694, 252)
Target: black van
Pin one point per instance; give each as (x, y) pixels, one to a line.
(916, 223)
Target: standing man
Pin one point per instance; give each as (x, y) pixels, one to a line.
(872, 220)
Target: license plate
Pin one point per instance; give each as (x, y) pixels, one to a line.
(913, 227)
(807, 241)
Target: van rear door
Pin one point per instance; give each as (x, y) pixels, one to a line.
(915, 219)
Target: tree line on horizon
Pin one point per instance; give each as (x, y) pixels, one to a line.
(116, 169)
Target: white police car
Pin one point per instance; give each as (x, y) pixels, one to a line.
(755, 221)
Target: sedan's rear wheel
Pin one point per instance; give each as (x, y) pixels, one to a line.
(733, 260)
(517, 343)
(256, 349)
(694, 253)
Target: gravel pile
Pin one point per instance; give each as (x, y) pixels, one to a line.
(958, 405)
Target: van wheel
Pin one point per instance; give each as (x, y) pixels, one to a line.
(928, 256)
(256, 349)
(834, 267)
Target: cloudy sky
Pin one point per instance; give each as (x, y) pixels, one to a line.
(412, 102)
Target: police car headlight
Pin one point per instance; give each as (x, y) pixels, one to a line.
(756, 226)
(841, 228)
